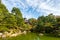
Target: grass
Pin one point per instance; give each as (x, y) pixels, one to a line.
(31, 36)
(49, 38)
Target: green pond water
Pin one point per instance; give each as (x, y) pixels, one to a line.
(31, 36)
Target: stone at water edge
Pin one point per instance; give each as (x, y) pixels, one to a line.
(14, 35)
(1, 34)
(41, 34)
(24, 32)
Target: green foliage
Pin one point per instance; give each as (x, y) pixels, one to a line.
(26, 27)
(14, 20)
(46, 23)
(18, 16)
(3, 29)
(10, 20)
(33, 21)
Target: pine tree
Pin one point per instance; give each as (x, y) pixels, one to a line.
(18, 15)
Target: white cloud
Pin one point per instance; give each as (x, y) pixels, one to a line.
(46, 6)
(41, 6)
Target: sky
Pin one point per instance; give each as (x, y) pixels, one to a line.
(34, 8)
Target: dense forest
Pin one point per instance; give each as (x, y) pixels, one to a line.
(14, 21)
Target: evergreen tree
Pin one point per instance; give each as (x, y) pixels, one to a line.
(18, 16)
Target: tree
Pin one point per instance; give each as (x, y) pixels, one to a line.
(45, 22)
(3, 14)
(10, 21)
(33, 21)
(18, 16)
(3, 9)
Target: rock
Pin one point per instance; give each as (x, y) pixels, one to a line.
(8, 34)
(14, 35)
(1, 34)
(41, 34)
(24, 32)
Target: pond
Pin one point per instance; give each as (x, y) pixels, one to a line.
(31, 36)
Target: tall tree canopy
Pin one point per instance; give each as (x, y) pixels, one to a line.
(18, 16)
